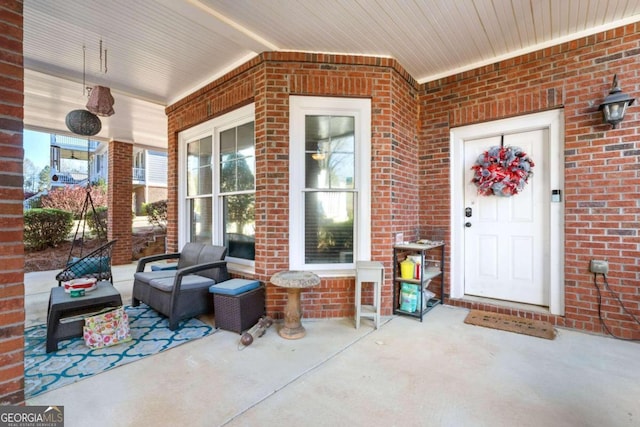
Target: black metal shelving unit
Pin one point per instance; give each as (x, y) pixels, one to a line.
(427, 274)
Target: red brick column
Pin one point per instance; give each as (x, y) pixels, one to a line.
(11, 196)
(120, 199)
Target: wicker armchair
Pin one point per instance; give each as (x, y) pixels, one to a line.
(96, 264)
(182, 293)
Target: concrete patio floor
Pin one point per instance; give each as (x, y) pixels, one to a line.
(441, 372)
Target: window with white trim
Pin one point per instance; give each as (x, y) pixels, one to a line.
(330, 170)
(219, 184)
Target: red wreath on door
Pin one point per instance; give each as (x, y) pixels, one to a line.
(502, 171)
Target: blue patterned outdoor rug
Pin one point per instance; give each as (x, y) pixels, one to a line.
(75, 361)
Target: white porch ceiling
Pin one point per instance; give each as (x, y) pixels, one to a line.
(160, 50)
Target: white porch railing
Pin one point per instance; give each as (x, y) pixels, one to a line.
(138, 175)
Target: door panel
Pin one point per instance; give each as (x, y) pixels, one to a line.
(506, 238)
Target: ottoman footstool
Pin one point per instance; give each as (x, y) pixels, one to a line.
(238, 304)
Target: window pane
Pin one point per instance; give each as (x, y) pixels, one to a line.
(245, 139)
(193, 150)
(192, 183)
(206, 148)
(205, 178)
(314, 165)
(317, 128)
(343, 127)
(227, 144)
(199, 167)
(329, 151)
(244, 170)
(239, 225)
(328, 228)
(237, 159)
(246, 165)
(228, 177)
(341, 169)
(200, 218)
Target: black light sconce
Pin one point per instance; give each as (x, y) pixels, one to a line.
(615, 104)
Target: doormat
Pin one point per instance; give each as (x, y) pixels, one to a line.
(74, 361)
(505, 322)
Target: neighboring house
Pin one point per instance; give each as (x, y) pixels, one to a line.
(149, 178)
(68, 160)
(68, 164)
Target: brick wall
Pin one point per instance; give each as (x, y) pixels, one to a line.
(411, 121)
(11, 196)
(120, 199)
(155, 194)
(602, 168)
(269, 80)
(145, 195)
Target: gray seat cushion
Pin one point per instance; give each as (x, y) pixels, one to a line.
(147, 276)
(192, 281)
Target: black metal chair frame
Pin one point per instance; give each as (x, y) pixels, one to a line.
(96, 264)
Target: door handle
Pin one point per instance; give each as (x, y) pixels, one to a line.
(468, 212)
(467, 224)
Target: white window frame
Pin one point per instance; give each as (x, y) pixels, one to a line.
(360, 109)
(211, 128)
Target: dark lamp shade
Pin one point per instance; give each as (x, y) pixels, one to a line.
(100, 101)
(83, 122)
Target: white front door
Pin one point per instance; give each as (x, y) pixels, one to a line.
(506, 239)
(516, 257)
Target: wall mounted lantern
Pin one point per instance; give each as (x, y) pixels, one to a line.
(615, 104)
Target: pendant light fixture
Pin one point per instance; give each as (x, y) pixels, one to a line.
(100, 99)
(86, 122)
(83, 122)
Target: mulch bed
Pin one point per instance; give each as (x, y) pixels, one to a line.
(56, 258)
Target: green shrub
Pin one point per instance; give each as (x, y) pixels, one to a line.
(102, 213)
(157, 213)
(46, 227)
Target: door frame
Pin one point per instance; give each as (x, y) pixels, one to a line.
(553, 121)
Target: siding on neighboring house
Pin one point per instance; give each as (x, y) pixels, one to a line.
(156, 164)
(410, 158)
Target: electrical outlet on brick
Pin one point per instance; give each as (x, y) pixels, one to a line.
(599, 267)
